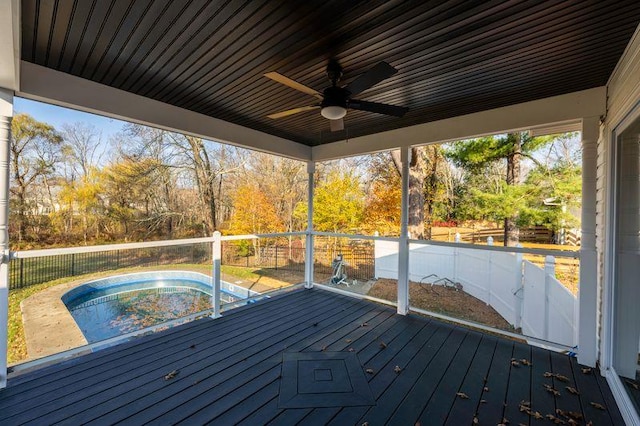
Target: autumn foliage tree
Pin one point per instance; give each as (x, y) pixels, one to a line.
(35, 149)
(253, 213)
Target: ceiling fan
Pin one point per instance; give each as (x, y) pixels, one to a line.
(335, 100)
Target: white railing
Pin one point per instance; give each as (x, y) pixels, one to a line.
(525, 295)
(426, 257)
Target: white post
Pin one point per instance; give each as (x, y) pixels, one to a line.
(519, 291)
(549, 272)
(6, 112)
(588, 288)
(215, 276)
(403, 249)
(489, 240)
(308, 262)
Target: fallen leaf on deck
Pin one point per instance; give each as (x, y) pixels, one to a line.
(572, 390)
(598, 406)
(397, 369)
(364, 324)
(574, 415)
(525, 362)
(369, 371)
(561, 377)
(586, 370)
(462, 395)
(171, 375)
(550, 389)
(483, 401)
(324, 348)
(486, 389)
(351, 350)
(475, 420)
(347, 340)
(515, 363)
(383, 345)
(633, 385)
(555, 419)
(537, 415)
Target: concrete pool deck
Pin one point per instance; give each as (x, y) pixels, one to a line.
(49, 328)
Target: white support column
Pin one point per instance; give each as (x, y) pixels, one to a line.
(403, 249)
(215, 273)
(588, 289)
(308, 263)
(6, 112)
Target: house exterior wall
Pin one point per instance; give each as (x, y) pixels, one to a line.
(623, 94)
(623, 97)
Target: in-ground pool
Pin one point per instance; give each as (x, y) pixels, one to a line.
(117, 305)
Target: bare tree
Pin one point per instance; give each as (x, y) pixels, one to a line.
(81, 149)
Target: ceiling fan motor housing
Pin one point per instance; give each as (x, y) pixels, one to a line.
(335, 96)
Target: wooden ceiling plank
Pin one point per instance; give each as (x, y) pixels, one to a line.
(404, 73)
(456, 70)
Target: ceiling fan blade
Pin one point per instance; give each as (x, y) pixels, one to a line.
(292, 111)
(336, 125)
(396, 111)
(380, 71)
(293, 84)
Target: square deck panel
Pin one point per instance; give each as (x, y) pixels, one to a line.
(323, 379)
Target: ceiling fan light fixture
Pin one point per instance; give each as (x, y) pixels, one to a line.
(333, 112)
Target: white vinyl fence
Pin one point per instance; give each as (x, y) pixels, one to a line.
(522, 293)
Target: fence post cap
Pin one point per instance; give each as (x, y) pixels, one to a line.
(217, 234)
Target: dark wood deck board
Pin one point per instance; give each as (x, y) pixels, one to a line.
(232, 375)
(394, 394)
(463, 410)
(541, 400)
(609, 401)
(561, 364)
(445, 394)
(587, 385)
(225, 366)
(519, 388)
(398, 351)
(492, 411)
(332, 342)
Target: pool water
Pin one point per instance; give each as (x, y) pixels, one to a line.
(121, 304)
(102, 316)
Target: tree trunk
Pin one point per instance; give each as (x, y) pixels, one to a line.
(431, 187)
(416, 203)
(511, 230)
(417, 176)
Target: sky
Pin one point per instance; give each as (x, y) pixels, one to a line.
(57, 116)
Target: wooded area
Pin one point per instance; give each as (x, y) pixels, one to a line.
(71, 187)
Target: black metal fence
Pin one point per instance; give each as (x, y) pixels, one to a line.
(285, 262)
(288, 261)
(36, 270)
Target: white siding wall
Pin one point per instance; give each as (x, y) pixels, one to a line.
(623, 93)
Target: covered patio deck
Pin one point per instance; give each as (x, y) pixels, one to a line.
(230, 370)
